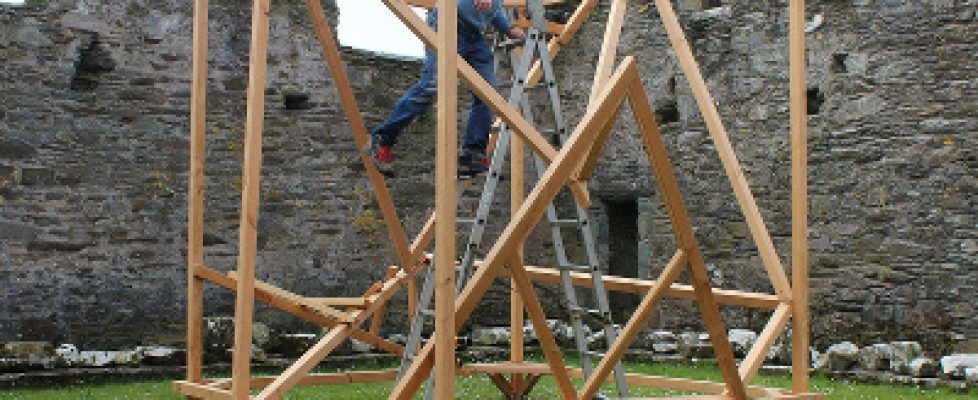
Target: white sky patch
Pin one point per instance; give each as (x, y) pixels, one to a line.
(369, 25)
(11, 1)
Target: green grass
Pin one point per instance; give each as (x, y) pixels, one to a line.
(479, 387)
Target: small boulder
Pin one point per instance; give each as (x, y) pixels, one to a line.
(875, 357)
(971, 375)
(841, 357)
(742, 340)
(360, 347)
(924, 367)
(955, 365)
(902, 353)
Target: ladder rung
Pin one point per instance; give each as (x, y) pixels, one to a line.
(465, 220)
(576, 268)
(593, 353)
(589, 311)
(565, 222)
(427, 313)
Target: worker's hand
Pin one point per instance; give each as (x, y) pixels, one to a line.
(483, 5)
(515, 33)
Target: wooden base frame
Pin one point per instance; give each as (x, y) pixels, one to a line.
(613, 88)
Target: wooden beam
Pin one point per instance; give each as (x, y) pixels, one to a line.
(641, 286)
(298, 310)
(195, 195)
(378, 318)
(758, 353)
(800, 361)
(635, 324)
(304, 364)
(334, 378)
(728, 156)
(658, 382)
(354, 302)
(250, 186)
(360, 136)
(421, 242)
(488, 94)
(685, 237)
(552, 27)
(320, 350)
(528, 215)
(606, 65)
(609, 47)
(331, 312)
(548, 344)
(201, 391)
(502, 384)
(446, 207)
(516, 310)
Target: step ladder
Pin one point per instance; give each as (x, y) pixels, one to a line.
(534, 47)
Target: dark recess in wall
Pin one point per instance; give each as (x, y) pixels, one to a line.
(667, 113)
(93, 60)
(815, 100)
(622, 252)
(297, 101)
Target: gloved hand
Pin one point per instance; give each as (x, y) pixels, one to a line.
(515, 33)
(483, 5)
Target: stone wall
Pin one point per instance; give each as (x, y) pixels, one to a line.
(93, 160)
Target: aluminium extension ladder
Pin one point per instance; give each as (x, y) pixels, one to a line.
(535, 44)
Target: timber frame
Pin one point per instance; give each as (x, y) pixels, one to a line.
(615, 85)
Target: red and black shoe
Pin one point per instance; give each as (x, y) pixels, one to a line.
(472, 162)
(382, 157)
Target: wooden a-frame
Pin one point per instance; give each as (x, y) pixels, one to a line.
(570, 166)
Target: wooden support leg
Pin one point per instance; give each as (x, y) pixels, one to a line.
(195, 196)
(306, 363)
(446, 151)
(360, 136)
(503, 385)
(686, 238)
(799, 200)
(635, 324)
(755, 358)
(547, 341)
(248, 231)
(516, 312)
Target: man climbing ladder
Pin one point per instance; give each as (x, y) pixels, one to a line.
(474, 16)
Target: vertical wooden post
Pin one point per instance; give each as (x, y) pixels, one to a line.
(799, 199)
(248, 230)
(516, 314)
(446, 155)
(195, 195)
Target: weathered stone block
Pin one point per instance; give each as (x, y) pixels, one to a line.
(902, 353)
(742, 340)
(875, 357)
(841, 357)
(954, 365)
(924, 368)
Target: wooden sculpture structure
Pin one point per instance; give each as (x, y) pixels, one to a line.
(570, 165)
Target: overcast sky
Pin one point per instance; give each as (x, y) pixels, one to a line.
(370, 25)
(367, 25)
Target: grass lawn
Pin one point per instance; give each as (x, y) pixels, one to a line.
(479, 387)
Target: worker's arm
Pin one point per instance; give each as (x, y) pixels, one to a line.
(501, 21)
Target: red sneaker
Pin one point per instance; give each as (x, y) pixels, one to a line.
(382, 157)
